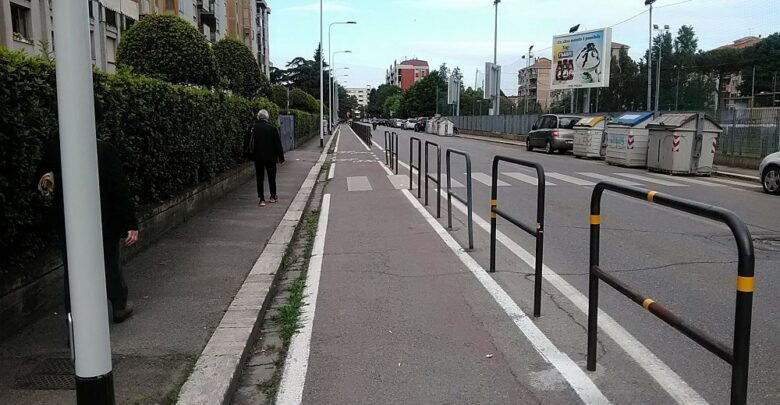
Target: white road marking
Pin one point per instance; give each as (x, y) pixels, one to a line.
(358, 183)
(688, 180)
(574, 375)
(453, 183)
(338, 138)
(377, 145)
(736, 183)
(297, 360)
(651, 180)
(609, 178)
(485, 179)
(527, 179)
(666, 378)
(359, 140)
(570, 179)
(332, 170)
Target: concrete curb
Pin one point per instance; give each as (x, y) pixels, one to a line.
(218, 368)
(737, 176)
(491, 139)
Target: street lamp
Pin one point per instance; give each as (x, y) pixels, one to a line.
(335, 90)
(649, 54)
(528, 84)
(496, 101)
(332, 80)
(664, 31)
(322, 98)
(330, 62)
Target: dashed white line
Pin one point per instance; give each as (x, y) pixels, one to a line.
(570, 179)
(297, 361)
(527, 179)
(651, 180)
(609, 178)
(331, 170)
(486, 180)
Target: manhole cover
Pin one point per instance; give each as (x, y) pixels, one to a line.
(49, 374)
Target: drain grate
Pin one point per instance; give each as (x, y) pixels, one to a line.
(49, 374)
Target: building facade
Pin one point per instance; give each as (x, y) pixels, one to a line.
(533, 84)
(361, 94)
(406, 73)
(730, 96)
(260, 48)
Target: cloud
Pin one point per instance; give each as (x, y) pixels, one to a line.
(329, 6)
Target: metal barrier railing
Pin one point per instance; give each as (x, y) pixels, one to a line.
(738, 355)
(363, 132)
(437, 180)
(412, 166)
(450, 195)
(391, 150)
(537, 231)
(388, 147)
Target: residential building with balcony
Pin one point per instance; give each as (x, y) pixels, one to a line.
(360, 93)
(406, 73)
(261, 48)
(208, 16)
(730, 96)
(533, 84)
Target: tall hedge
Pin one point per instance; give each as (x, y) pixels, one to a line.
(301, 100)
(168, 48)
(239, 67)
(305, 125)
(169, 137)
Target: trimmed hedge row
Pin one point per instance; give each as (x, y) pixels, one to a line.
(305, 125)
(169, 137)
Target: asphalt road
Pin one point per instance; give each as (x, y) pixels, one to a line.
(688, 264)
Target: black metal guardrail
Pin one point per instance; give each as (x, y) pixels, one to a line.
(363, 132)
(450, 195)
(391, 150)
(537, 231)
(436, 180)
(388, 147)
(738, 355)
(412, 166)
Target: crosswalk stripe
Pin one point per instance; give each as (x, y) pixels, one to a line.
(454, 183)
(689, 180)
(651, 180)
(486, 180)
(527, 179)
(609, 178)
(736, 183)
(570, 179)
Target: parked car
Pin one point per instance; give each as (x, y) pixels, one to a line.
(410, 123)
(553, 133)
(398, 123)
(769, 171)
(421, 124)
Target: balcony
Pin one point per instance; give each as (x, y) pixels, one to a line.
(207, 13)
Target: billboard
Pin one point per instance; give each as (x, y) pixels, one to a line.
(492, 80)
(581, 60)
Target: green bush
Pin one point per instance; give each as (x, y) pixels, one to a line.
(169, 137)
(305, 125)
(279, 95)
(301, 100)
(240, 68)
(169, 48)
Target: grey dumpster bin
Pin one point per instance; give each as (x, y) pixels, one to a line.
(627, 139)
(682, 143)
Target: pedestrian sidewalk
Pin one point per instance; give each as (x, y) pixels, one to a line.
(397, 312)
(181, 287)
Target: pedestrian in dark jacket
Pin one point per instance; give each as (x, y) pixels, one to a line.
(117, 215)
(266, 152)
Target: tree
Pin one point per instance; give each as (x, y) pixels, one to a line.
(377, 98)
(392, 106)
(169, 48)
(421, 98)
(765, 57)
(304, 74)
(301, 100)
(239, 67)
(625, 91)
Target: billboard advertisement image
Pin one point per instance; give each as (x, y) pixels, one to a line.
(581, 60)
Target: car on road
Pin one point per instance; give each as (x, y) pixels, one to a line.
(410, 123)
(769, 171)
(421, 124)
(398, 123)
(553, 133)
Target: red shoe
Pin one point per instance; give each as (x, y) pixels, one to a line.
(262, 203)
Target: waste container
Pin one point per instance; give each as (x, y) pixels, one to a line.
(445, 127)
(589, 137)
(627, 139)
(682, 143)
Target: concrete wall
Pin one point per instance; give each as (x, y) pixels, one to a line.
(39, 288)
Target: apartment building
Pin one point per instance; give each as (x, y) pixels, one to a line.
(406, 73)
(534, 84)
(361, 94)
(208, 16)
(261, 49)
(730, 96)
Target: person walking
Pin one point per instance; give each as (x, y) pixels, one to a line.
(117, 217)
(264, 146)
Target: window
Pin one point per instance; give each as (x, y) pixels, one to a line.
(20, 22)
(110, 16)
(170, 5)
(569, 122)
(91, 13)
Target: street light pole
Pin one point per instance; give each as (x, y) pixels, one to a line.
(334, 91)
(497, 100)
(677, 89)
(83, 230)
(330, 62)
(528, 84)
(663, 31)
(650, 55)
(322, 86)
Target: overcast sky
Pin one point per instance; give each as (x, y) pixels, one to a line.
(460, 32)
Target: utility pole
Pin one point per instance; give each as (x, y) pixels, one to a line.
(91, 343)
(322, 85)
(677, 89)
(527, 71)
(753, 89)
(658, 82)
(650, 55)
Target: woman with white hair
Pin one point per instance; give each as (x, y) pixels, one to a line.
(264, 146)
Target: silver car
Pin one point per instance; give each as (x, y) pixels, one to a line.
(552, 132)
(769, 171)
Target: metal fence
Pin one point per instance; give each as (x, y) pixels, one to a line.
(749, 132)
(287, 132)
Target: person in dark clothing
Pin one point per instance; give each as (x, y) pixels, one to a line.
(117, 215)
(265, 149)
